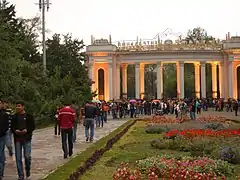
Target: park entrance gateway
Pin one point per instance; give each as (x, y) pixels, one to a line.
(107, 59)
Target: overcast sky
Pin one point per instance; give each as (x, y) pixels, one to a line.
(127, 19)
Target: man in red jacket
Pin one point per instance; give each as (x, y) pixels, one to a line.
(66, 118)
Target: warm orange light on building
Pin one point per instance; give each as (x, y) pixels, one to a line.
(99, 54)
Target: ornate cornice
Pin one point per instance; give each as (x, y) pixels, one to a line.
(232, 51)
(101, 54)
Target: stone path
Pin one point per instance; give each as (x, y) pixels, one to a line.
(47, 151)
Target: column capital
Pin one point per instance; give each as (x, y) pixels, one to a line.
(197, 64)
(159, 64)
(221, 63)
(124, 65)
(181, 63)
(137, 65)
(142, 66)
(203, 63)
(214, 64)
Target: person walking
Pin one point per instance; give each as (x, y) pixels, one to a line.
(10, 113)
(22, 126)
(67, 117)
(56, 125)
(3, 130)
(76, 108)
(90, 114)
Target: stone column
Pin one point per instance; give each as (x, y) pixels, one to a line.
(180, 79)
(91, 74)
(114, 77)
(203, 80)
(221, 78)
(118, 82)
(124, 80)
(137, 81)
(197, 79)
(214, 80)
(182, 89)
(226, 77)
(142, 80)
(110, 80)
(159, 80)
(230, 79)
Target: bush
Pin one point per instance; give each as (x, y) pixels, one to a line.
(230, 154)
(214, 147)
(214, 126)
(156, 129)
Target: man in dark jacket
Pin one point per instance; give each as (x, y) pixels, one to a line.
(67, 117)
(3, 129)
(22, 127)
(90, 114)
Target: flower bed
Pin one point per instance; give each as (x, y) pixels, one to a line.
(191, 133)
(218, 119)
(173, 167)
(98, 154)
(164, 120)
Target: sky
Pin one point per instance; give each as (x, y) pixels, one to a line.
(127, 19)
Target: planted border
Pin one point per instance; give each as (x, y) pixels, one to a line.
(62, 172)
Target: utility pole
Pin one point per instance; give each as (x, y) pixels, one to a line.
(43, 4)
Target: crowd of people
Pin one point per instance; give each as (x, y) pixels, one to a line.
(20, 124)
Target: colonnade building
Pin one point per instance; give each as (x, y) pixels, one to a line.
(106, 60)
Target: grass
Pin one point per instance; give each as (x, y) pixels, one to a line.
(134, 145)
(64, 171)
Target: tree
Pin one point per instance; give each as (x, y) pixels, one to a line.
(21, 75)
(70, 58)
(197, 35)
(29, 31)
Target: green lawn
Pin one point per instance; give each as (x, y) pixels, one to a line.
(134, 145)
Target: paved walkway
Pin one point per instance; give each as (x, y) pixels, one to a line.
(47, 151)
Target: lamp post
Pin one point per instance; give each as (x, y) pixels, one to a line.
(42, 5)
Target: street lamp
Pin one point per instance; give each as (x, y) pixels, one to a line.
(42, 5)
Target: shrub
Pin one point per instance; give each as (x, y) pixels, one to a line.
(156, 129)
(230, 154)
(214, 126)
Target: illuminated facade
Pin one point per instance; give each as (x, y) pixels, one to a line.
(107, 59)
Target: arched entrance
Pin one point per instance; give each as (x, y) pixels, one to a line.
(238, 82)
(101, 84)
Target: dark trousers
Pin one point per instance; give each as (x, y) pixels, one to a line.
(67, 141)
(57, 128)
